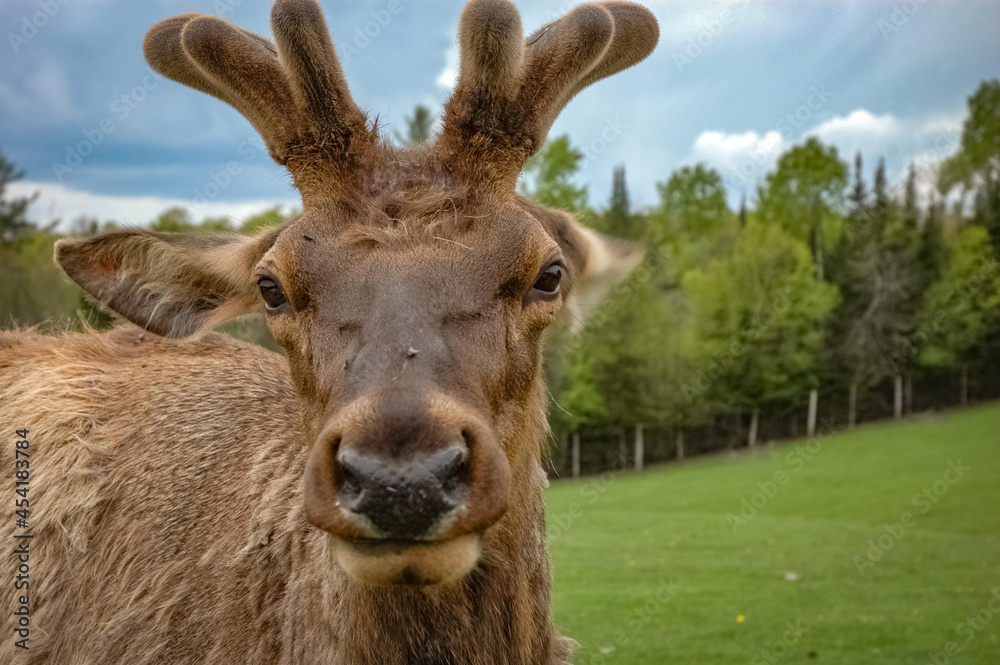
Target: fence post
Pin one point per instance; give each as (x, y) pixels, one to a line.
(813, 406)
(897, 397)
(852, 406)
(639, 446)
(576, 454)
(679, 440)
(754, 421)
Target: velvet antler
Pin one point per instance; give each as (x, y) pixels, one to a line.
(510, 90)
(294, 93)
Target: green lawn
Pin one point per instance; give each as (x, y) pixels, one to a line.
(650, 568)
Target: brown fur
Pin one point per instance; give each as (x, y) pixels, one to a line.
(184, 486)
(165, 536)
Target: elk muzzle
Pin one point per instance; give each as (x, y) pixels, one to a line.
(405, 486)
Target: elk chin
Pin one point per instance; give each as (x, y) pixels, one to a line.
(395, 562)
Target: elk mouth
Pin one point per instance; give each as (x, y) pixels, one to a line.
(390, 562)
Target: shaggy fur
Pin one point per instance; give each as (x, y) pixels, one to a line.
(178, 476)
(169, 526)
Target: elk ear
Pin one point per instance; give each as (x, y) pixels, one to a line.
(597, 263)
(175, 285)
(608, 262)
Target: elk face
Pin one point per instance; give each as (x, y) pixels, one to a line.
(416, 343)
(411, 294)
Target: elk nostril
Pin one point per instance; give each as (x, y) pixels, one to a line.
(454, 469)
(351, 478)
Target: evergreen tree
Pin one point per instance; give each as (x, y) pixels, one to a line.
(881, 205)
(618, 220)
(419, 128)
(932, 252)
(14, 224)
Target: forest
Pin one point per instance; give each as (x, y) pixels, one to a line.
(831, 296)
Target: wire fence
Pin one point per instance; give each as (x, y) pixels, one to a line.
(591, 451)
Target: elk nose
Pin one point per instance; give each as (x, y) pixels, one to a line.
(404, 500)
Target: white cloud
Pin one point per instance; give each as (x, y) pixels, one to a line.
(449, 75)
(58, 202)
(864, 131)
(744, 158)
(739, 158)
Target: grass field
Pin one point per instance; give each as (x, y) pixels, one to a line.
(880, 545)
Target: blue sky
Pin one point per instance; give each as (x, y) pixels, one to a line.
(733, 83)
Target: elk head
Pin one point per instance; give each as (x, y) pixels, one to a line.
(411, 293)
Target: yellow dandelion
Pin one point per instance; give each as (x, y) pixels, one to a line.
(740, 619)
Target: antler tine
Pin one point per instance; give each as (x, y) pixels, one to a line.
(561, 55)
(241, 69)
(508, 96)
(478, 122)
(492, 49)
(314, 70)
(636, 35)
(294, 94)
(249, 72)
(163, 50)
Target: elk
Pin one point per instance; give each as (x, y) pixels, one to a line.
(373, 496)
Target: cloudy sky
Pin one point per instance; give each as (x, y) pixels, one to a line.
(733, 83)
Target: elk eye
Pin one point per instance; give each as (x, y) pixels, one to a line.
(548, 282)
(271, 292)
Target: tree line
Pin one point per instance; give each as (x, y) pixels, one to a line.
(834, 287)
